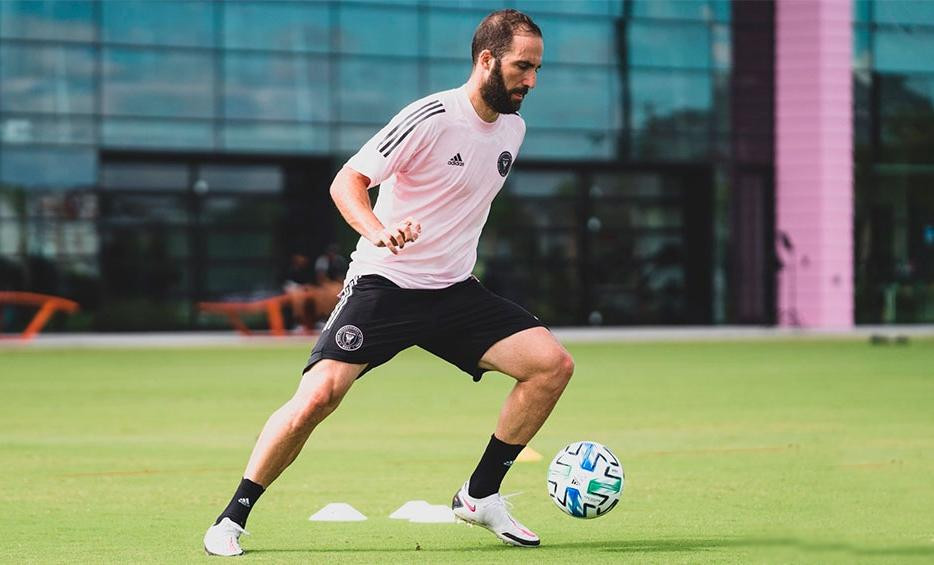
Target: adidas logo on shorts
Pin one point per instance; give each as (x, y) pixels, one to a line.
(456, 161)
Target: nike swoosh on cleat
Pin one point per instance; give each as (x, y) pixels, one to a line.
(467, 504)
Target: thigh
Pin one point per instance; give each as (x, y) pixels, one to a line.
(373, 320)
(469, 321)
(524, 354)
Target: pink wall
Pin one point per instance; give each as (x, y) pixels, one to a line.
(814, 161)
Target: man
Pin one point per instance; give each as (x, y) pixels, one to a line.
(440, 162)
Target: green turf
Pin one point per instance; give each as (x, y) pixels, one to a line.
(798, 451)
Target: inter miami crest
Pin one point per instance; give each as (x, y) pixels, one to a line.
(349, 338)
(503, 163)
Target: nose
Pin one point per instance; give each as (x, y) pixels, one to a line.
(529, 80)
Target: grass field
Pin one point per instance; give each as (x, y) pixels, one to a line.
(784, 451)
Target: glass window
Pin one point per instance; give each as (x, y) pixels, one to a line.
(374, 90)
(663, 44)
(142, 82)
(486, 6)
(242, 178)
(49, 168)
(899, 50)
(444, 75)
(145, 176)
(590, 7)
(60, 238)
(351, 138)
(862, 11)
(862, 113)
(552, 144)
(289, 138)
(906, 95)
(292, 26)
(59, 20)
(670, 99)
(721, 47)
(720, 121)
(583, 95)
(373, 30)
(541, 183)
(450, 32)
(569, 40)
(237, 210)
(656, 144)
(862, 58)
(46, 79)
(906, 139)
(903, 12)
(239, 278)
(681, 9)
(159, 23)
(722, 10)
(32, 129)
(136, 209)
(236, 245)
(283, 87)
(179, 134)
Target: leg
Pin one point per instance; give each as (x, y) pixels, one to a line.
(321, 390)
(287, 430)
(542, 368)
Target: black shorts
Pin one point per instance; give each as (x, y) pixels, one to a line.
(375, 319)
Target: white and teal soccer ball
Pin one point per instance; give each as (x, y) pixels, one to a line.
(585, 479)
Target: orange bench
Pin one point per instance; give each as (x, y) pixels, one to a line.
(324, 298)
(47, 304)
(272, 307)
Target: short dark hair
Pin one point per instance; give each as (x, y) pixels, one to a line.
(496, 30)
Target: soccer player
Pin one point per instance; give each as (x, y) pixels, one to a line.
(440, 162)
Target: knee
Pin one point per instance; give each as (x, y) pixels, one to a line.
(312, 407)
(565, 368)
(559, 372)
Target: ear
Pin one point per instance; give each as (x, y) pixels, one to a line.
(485, 59)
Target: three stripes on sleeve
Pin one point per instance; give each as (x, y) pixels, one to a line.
(404, 128)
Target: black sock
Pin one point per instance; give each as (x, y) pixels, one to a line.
(242, 502)
(496, 460)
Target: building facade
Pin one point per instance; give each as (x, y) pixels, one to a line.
(154, 154)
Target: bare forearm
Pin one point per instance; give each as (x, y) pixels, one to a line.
(351, 196)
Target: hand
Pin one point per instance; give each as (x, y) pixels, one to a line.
(396, 236)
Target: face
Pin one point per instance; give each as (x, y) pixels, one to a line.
(511, 77)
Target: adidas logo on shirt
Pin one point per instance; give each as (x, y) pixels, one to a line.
(456, 161)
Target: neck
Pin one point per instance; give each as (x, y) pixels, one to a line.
(486, 113)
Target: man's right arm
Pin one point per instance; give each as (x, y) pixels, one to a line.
(350, 193)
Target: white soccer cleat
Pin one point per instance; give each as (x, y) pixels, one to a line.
(223, 539)
(490, 512)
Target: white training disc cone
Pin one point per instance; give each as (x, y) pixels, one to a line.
(409, 509)
(337, 512)
(434, 514)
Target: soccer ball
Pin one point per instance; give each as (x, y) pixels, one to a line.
(585, 479)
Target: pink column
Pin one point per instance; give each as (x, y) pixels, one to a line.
(814, 162)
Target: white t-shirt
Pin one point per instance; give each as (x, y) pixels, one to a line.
(439, 163)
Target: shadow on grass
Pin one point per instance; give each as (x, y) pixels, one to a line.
(656, 546)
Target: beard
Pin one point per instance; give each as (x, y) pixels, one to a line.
(496, 96)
